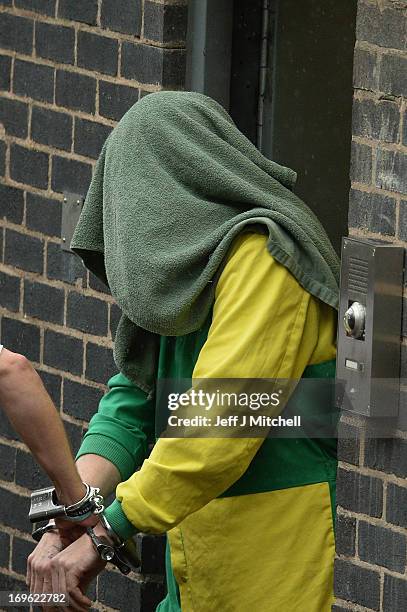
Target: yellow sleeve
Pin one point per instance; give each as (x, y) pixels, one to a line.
(258, 331)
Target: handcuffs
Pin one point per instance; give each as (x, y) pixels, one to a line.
(45, 505)
(123, 554)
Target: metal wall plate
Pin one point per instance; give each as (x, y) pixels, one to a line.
(71, 210)
(369, 365)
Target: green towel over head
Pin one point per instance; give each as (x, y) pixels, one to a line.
(175, 183)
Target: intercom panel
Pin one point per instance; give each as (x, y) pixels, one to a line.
(369, 327)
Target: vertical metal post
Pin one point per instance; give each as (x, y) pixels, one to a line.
(264, 53)
(267, 77)
(209, 48)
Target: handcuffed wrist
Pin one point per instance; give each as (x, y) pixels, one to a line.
(115, 538)
(45, 504)
(119, 521)
(38, 533)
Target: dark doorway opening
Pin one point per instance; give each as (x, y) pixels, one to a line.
(307, 119)
(283, 69)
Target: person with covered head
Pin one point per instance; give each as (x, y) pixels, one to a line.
(221, 272)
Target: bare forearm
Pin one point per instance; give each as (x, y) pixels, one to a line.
(32, 413)
(98, 472)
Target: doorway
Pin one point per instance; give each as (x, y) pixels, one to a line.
(306, 120)
(283, 69)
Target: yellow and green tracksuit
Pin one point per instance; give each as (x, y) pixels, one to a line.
(249, 521)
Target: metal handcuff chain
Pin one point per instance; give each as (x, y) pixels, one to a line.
(92, 493)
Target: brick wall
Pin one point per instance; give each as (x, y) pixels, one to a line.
(69, 70)
(371, 570)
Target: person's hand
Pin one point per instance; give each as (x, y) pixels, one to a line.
(38, 562)
(53, 542)
(71, 570)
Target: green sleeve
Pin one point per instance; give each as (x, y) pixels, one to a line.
(119, 521)
(122, 428)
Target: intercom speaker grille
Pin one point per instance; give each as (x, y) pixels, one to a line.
(358, 275)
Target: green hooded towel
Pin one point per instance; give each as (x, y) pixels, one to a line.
(175, 182)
